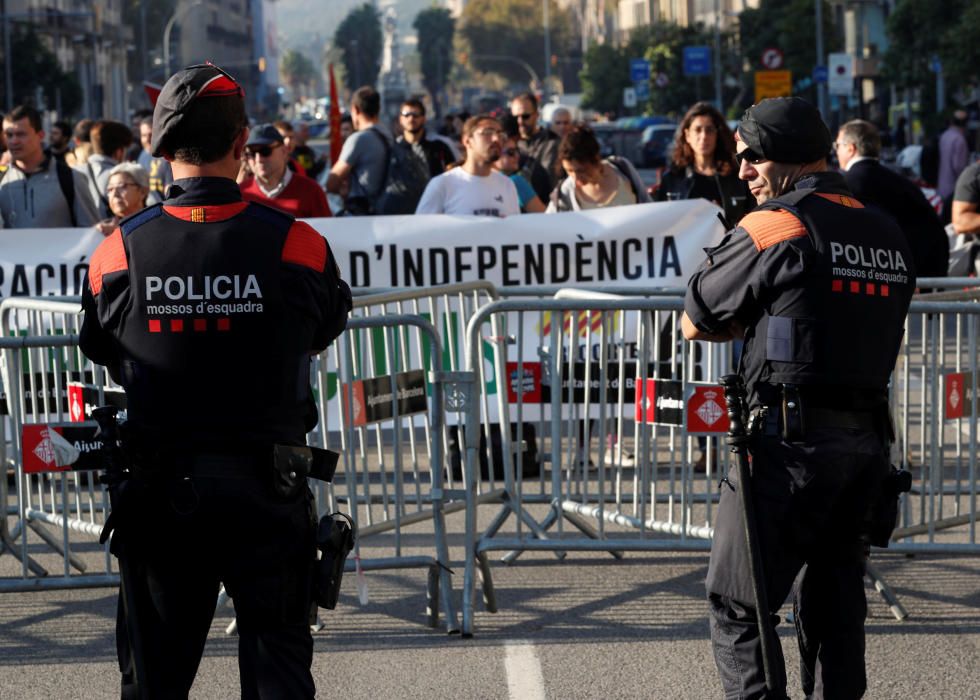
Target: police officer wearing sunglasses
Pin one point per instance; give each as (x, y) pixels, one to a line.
(818, 286)
(207, 309)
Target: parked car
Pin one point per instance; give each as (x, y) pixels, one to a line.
(656, 144)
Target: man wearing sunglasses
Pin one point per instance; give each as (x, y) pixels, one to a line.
(819, 287)
(273, 183)
(539, 146)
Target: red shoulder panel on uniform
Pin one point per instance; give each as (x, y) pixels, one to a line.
(201, 215)
(769, 227)
(841, 199)
(304, 246)
(109, 257)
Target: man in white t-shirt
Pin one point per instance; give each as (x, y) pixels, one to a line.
(474, 188)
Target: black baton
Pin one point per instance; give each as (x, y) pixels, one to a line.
(738, 439)
(115, 476)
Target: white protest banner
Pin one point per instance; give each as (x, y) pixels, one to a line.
(644, 245)
(45, 261)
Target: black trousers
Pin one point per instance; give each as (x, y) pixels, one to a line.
(189, 536)
(812, 501)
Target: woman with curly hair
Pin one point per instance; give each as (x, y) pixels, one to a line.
(703, 164)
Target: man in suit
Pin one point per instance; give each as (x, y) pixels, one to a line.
(858, 145)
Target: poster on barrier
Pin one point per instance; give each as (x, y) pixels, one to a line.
(372, 399)
(705, 410)
(958, 395)
(84, 398)
(660, 402)
(55, 447)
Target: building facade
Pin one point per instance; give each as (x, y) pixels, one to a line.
(90, 42)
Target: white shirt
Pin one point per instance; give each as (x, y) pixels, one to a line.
(458, 192)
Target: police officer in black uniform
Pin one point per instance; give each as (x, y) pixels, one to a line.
(819, 288)
(207, 310)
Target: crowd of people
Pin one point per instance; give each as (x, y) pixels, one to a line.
(101, 171)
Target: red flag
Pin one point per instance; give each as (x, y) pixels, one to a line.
(152, 91)
(335, 141)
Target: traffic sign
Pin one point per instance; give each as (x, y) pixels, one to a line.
(697, 60)
(642, 91)
(772, 59)
(662, 80)
(639, 70)
(629, 97)
(820, 74)
(840, 74)
(773, 83)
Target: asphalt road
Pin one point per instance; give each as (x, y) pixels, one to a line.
(588, 627)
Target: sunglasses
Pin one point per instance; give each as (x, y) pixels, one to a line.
(509, 152)
(524, 117)
(264, 151)
(412, 114)
(749, 155)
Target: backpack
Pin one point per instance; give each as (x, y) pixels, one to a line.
(405, 181)
(65, 181)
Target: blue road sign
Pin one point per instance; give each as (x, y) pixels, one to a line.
(639, 70)
(820, 74)
(697, 60)
(642, 90)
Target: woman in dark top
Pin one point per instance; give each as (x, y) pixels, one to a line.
(703, 164)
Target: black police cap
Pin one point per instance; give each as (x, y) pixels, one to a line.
(786, 130)
(204, 80)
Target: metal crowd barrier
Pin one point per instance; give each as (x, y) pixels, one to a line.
(934, 404)
(660, 497)
(382, 409)
(385, 495)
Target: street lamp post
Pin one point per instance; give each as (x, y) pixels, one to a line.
(510, 59)
(547, 51)
(169, 28)
(821, 87)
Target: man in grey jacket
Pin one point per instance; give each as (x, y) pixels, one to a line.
(37, 191)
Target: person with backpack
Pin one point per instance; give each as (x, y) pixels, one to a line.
(593, 182)
(39, 191)
(363, 160)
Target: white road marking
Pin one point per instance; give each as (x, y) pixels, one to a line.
(524, 679)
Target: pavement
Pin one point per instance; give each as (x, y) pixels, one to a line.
(587, 627)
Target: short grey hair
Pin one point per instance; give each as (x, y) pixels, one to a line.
(134, 171)
(863, 135)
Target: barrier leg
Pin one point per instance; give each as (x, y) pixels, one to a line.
(886, 592)
(432, 597)
(7, 544)
(586, 528)
(486, 577)
(56, 545)
(539, 532)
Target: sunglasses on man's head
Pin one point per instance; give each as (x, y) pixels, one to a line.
(264, 151)
(749, 155)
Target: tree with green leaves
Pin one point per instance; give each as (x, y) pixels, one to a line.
(360, 41)
(435, 27)
(918, 31)
(33, 66)
(790, 26)
(500, 31)
(606, 70)
(297, 71)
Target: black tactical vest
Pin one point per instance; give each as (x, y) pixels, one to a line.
(214, 338)
(841, 324)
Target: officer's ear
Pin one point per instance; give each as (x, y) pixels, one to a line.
(240, 141)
